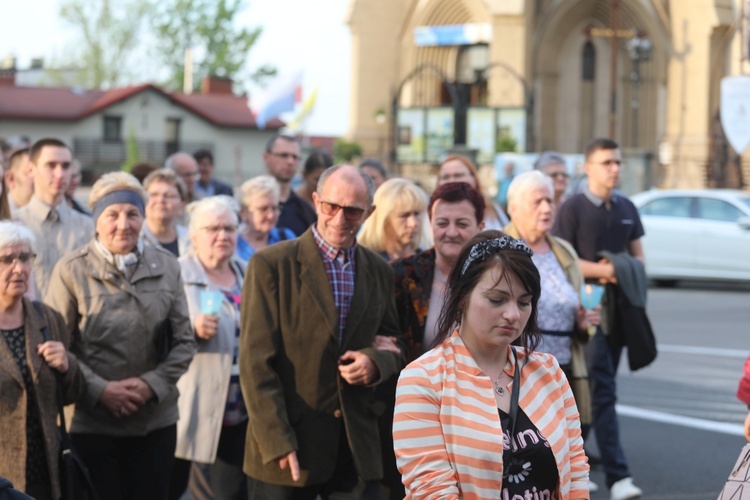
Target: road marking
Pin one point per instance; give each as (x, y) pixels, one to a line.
(703, 351)
(669, 418)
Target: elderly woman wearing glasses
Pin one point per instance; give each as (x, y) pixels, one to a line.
(125, 308)
(29, 364)
(553, 165)
(166, 191)
(213, 419)
(260, 211)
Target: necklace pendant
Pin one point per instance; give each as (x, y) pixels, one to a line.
(500, 391)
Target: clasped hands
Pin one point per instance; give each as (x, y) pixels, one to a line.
(125, 397)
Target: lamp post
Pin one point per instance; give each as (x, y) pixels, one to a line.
(639, 49)
(381, 118)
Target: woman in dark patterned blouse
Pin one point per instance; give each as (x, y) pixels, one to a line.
(28, 410)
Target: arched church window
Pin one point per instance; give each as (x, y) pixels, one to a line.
(589, 62)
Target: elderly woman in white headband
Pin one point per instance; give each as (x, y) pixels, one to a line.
(125, 308)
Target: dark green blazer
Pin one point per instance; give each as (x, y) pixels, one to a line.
(289, 355)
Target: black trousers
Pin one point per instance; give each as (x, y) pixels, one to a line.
(132, 467)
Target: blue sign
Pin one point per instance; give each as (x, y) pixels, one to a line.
(454, 34)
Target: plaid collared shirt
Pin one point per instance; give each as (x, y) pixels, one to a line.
(340, 276)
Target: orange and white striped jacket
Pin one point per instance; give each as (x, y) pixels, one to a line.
(446, 428)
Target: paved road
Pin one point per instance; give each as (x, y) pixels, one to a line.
(680, 420)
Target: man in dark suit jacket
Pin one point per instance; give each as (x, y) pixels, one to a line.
(311, 310)
(207, 185)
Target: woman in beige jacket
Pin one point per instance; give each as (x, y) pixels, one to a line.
(29, 365)
(125, 308)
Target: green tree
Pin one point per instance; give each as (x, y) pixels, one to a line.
(506, 144)
(132, 151)
(345, 151)
(220, 48)
(109, 33)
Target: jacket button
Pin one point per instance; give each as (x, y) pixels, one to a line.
(337, 413)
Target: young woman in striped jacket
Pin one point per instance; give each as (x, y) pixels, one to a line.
(457, 432)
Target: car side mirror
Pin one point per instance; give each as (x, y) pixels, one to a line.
(744, 222)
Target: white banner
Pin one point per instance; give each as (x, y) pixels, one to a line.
(735, 111)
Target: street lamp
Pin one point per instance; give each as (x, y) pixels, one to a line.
(639, 49)
(381, 118)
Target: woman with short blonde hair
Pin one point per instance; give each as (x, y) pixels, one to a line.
(397, 228)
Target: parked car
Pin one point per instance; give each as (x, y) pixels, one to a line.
(696, 234)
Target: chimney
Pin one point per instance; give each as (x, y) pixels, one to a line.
(216, 85)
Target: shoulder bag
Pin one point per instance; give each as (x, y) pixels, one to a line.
(75, 480)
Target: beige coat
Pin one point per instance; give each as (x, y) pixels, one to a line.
(13, 397)
(115, 324)
(203, 388)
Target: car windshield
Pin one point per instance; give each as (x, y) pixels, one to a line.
(745, 201)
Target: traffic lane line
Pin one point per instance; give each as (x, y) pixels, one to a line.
(705, 351)
(669, 418)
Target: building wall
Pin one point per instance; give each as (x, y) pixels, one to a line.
(237, 152)
(375, 26)
(695, 44)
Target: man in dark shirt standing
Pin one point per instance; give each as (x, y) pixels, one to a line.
(600, 219)
(282, 157)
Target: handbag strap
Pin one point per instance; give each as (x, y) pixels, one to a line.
(58, 383)
(514, 396)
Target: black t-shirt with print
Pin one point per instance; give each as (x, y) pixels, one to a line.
(531, 471)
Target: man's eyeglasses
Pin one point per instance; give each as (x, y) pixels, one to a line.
(286, 156)
(611, 163)
(24, 258)
(190, 175)
(352, 214)
(217, 229)
(559, 175)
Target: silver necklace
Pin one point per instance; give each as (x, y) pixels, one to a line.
(499, 389)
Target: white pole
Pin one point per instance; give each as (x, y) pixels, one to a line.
(187, 86)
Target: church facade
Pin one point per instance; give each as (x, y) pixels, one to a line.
(535, 75)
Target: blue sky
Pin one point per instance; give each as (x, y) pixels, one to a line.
(298, 34)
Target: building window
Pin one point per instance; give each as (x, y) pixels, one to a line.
(112, 128)
(589, 62)
(172, 135)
